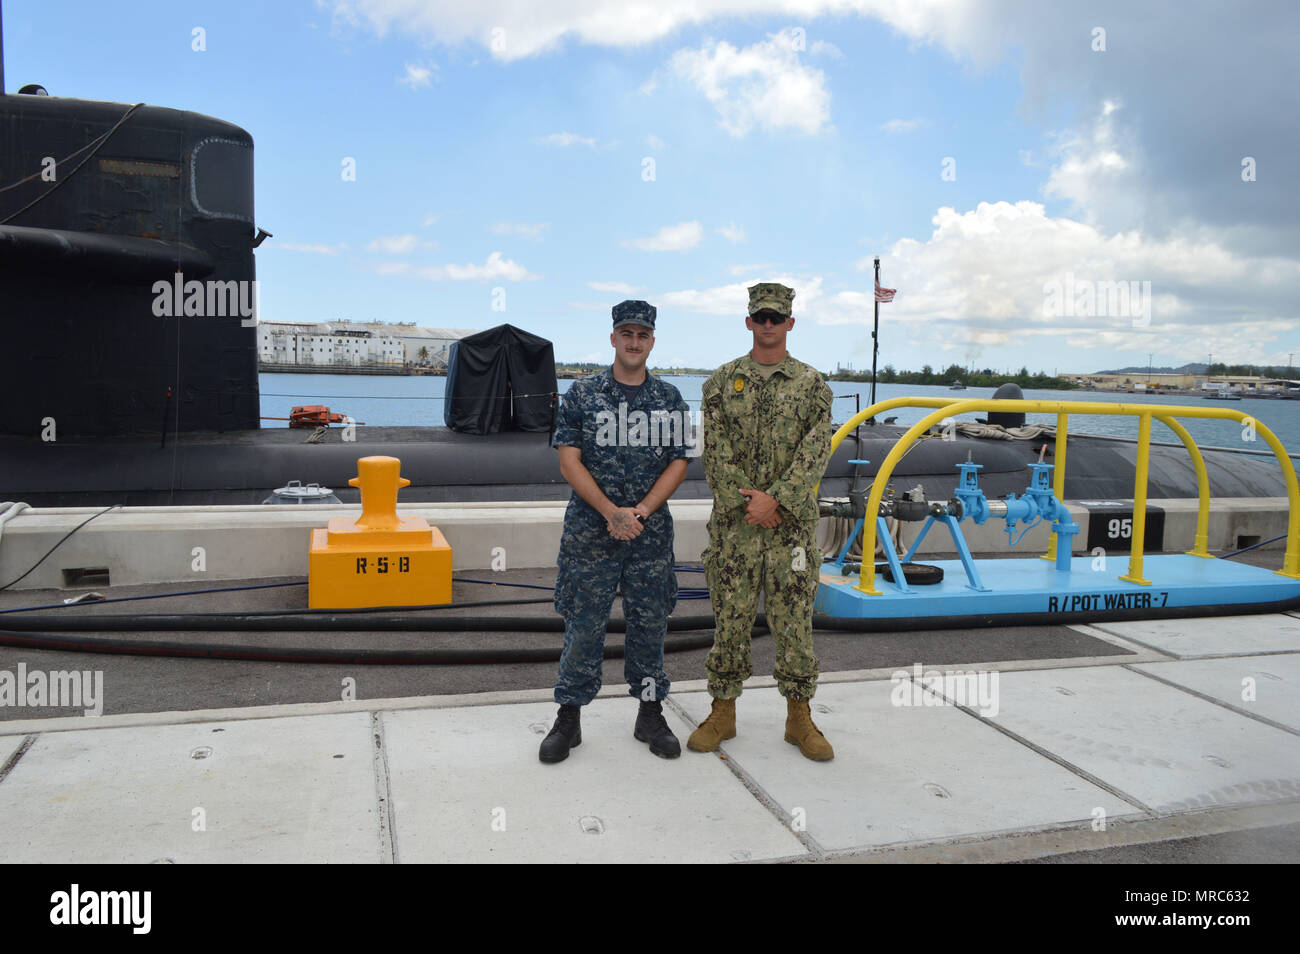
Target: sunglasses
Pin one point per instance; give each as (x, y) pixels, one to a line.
(769, 318)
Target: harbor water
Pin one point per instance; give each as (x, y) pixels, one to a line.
(417, 400)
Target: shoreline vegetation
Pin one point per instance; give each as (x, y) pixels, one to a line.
(887, 375)
(927, 376)
(955, 374)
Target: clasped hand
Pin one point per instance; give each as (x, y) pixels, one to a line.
(762, 509)
(623, 523)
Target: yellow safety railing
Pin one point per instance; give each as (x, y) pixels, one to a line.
(1165, 413)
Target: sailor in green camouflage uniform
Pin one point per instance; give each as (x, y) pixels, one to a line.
(767, 441)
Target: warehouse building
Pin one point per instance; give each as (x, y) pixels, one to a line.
(353, 345)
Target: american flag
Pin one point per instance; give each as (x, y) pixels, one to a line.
(884, 294)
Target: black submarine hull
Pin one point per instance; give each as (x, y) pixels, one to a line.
(243, 467)
(104, 204)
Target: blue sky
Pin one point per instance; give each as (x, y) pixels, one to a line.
(499, 149)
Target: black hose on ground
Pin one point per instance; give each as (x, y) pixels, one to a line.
(297, 611)
(283, 621)
(36, 639)
(683, 593)
(58, 642)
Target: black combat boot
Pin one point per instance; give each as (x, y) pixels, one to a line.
(651, 727)
(564, 735)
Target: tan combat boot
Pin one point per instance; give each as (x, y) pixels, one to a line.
(716, 729)
(800, 731)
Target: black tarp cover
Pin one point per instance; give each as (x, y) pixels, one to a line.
(502, 379)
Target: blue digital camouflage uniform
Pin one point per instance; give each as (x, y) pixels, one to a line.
(772, 435)
(626, 452)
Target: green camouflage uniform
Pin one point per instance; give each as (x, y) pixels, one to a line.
(772, 435)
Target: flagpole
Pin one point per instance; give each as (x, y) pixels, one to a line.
(875, 337)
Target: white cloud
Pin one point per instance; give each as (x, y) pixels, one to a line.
(1183, 118)
(399, 244)
(733, 299)
(670, 238)
(762, 85)
(750, 269)
(518, 228)
(495, 268)
(510, 31)
(902, 125)
(981, 278)
(826, 48)
(429, 220)
(564, 139)
(720, 300)
(1092, 174)
(309, 247)
(417, 76)
(654, 142)
(618, 288)
(732, 232)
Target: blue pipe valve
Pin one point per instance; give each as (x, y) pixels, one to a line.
(1048, 507)
(1039, 502)
(1041, 491)
(1051, 508)
(973, 502)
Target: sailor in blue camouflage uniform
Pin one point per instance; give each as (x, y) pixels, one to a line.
(621, 436)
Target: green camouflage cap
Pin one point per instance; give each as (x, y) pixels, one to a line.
(770, 295)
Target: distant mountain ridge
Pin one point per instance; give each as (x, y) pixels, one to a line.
(1275, 371)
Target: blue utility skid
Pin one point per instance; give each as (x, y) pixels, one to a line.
(1035, 586)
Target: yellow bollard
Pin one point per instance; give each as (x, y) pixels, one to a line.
(379, 559)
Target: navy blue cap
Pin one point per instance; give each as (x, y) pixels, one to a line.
(634, 312)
